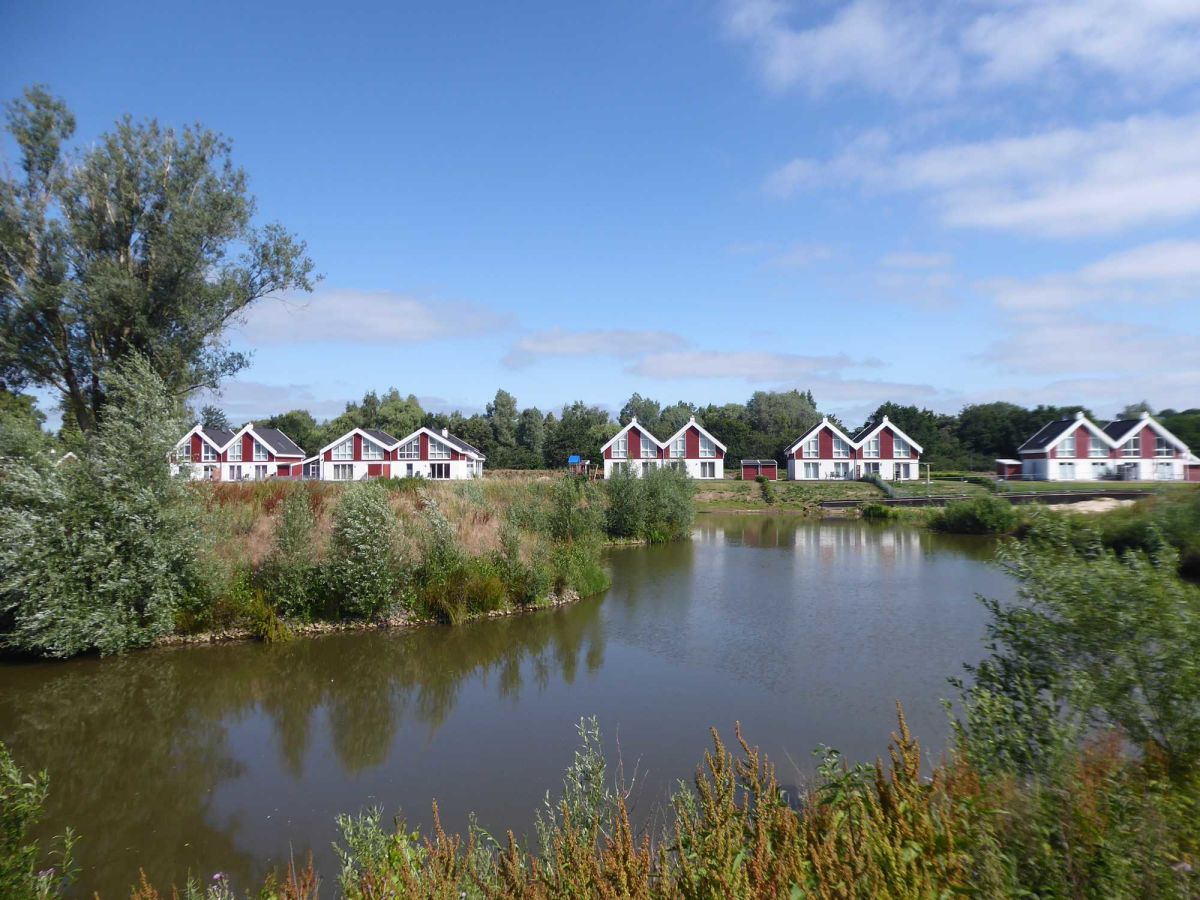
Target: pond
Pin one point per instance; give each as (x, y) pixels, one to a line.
(232, 758)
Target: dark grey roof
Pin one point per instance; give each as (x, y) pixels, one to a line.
(863, 432)
(1120, 427)
(1047, 434)
(459, 443)
(381, 437)
(218, 436)
(279, 442)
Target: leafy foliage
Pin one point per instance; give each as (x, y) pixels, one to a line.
(362, 573)
(21, 800)
(979, 515)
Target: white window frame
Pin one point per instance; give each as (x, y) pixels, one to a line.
(1066, 471)
(901, 449)
(261, 454)
(1162, 448)
(211, 471)
(1132, 448)
(812, 470)
(812, 447)
(439, 471)
(647, 448)
(647, 465)
(1067, 447)
(708, 469)
(438, 450)
(871, 468)
(871, 448)
(620, 447)
(901, 472)
(708, 450)
(1096, 448)
(235, 451)
(620, 467)
(343, 471)
(841, 449)
(679, 447)
(841, 469)
(207, 453)
(411, 450)
(235, 473)
(344, 450)
(260, 473)
(372, 451)
(183, 452)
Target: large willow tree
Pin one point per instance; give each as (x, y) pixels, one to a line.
(142, 242)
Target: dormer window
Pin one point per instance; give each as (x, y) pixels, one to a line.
(871, 450)
(344, 450)
(620, 448)
(647, 448)
(1067, 447)
(812, 447)
(679, 447)
(901, 449)
(707, 448)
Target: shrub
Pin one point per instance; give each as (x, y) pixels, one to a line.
(768, 491)
(878, 511)
(980, 515)
(656, 506)
(363, 567)
(626, 513)
(290, 573)
(100, 554)
(23, 874)
(575, 510)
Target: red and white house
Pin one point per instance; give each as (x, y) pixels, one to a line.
(881, 448)
(701, 454)
(633, 448)
(1078, 449)
(251, 454)
(365, 453)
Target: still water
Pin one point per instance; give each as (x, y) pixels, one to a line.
(232, 758)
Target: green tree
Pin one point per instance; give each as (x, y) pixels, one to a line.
(531, 431)
(214, 417)
(646, 411)
(399, 416)
(100, 554)
(994, 430)
(1134, 410)
(935, 433)
(300, 426)
(582, 429)
(502, 416)
(145, 245)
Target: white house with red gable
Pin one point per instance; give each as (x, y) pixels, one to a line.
(879, 448)
(700, 454)
(1078, 449)
(251, 454)
(633, 448)
(365, 453)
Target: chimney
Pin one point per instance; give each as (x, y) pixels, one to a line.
(445, 432)
(1078, 415)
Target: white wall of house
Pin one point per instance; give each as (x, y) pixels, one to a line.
(696, 469)
(227, 471)
(832, 469)
(637, 466)
(1085, 469)
(451, 469)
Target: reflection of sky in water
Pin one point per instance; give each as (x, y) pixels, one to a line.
(231, 757)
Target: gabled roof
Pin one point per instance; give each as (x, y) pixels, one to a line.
(868, 431)
(375, 436)
(760, 462)
(692, 423)
(446, 438)
(1122, 429)
(217, 438)
(380, 437)
(279, 442)
(640, 427)
(1046, 435)
(824, 423)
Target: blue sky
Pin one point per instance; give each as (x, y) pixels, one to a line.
(928, 202)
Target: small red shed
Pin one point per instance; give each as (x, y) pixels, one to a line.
(1008, 469)
(752, 468)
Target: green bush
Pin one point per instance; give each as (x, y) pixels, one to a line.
(979, 515)
(362, 571)
(656, 506)
(24, 874)
(626, 513)
(576, 512)
(878, 511)
(102, 553)
(290, 573)
(768, 490)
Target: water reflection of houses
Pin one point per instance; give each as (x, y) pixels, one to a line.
(859, 545)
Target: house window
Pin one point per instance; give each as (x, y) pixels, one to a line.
(313, 470)
(1096, 447)
(235, 473)
(344, 450)
(371, 451)
(207, 453)
(707, 448)
(438, 470)
(871, 450)
(902, 471)
(901, 448)
(679, 447)
(260, 452)
(1132, 447)
(1099, 470)
(841, 469)
(840, 448)
(470, 468)
(620, 468)
(411, 450)
(708, 470)
(438, 450)
(343, 472)
(1067, 447)
(260, 473)
(812, 447)
(1066, 471)
(183, 453)
(812, 470)
(620, 448)
(212, 472)
(871, 468)
(235, 451)
(647, 467)
(647, 448)
(1161, 447)
(408, 470)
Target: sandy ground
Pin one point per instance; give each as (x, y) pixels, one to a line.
(1104, 504)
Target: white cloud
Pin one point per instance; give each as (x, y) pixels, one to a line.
(615, 342)
(245, 400)
(800, 255)
(1105, 178)
(916, 261)
(752, 365)
(942, 48)
(364, 317)
(792, 176)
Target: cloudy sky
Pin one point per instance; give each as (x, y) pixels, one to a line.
(928, 202)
